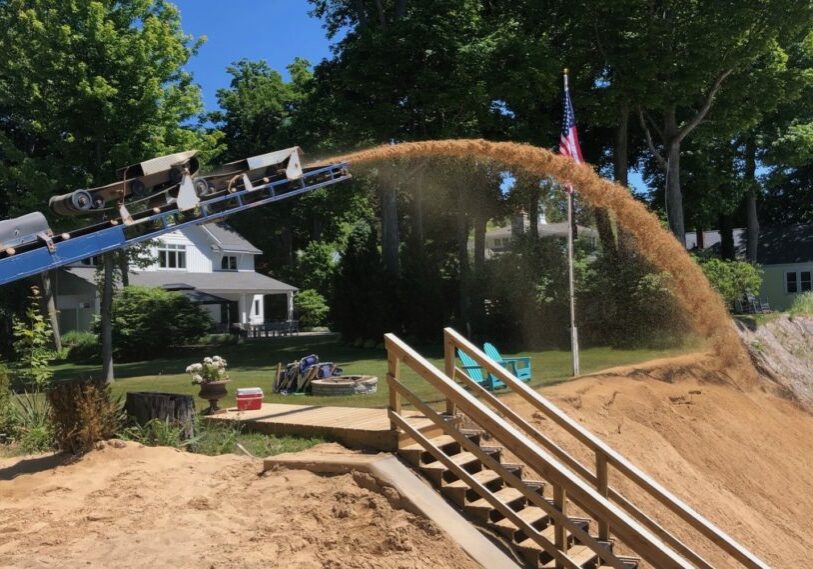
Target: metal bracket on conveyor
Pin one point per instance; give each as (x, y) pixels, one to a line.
(48, 241)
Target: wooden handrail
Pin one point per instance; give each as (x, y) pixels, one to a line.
(636, 537)
(513, 480)
(452, 339)
(582, 471)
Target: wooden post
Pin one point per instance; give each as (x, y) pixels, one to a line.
(560, 535)
(448, 368)
(603, 487)
(394, 374)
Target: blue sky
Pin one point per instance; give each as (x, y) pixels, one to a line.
(274, 30)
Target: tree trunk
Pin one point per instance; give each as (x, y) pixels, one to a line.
(726, 237)
(605, 231)
(390, 240)
(752, 231)
(48, 306)
(463, 258)
(417, 214)
(124, 267)
(624, 243)
(178, 410)
(701, 243)
(621, 158)
(533, 214)
(480, 223)
(674, 195)
(106, 313)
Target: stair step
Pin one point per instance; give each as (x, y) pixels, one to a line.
(415, 454)
(482, 510)
(581, 555)
(548, 533)
(435, 471)
(532, 515)
(458, 491)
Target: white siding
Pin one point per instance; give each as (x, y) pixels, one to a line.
(198, 251)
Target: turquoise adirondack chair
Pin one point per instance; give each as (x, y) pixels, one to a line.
(475, 372)
(520, 367)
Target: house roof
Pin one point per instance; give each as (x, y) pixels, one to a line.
(222, 282)
(227, 240)
(780, 245)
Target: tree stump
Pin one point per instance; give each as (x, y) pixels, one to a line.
(177, 409)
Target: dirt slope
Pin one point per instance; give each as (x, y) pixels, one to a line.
(782, 350)
(744, 459)
(134, 507)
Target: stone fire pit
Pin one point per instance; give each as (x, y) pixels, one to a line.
(345, 385)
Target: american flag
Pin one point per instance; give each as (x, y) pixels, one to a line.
(569, 139)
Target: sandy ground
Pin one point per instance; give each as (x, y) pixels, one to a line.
(743, 459)
(127, 506)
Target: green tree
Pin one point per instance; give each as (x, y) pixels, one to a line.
(153, 321)
(89, 86)
(312, 308)
(32, 344)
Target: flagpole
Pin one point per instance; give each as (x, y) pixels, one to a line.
(574, 332)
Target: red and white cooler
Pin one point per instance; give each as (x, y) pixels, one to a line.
(249, 398)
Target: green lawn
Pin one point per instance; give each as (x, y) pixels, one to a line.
(253, 362)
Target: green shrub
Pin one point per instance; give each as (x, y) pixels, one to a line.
(31, 422)
(5, 402)
(83, 414)
(81, 346)
(32, 345)
(153, 321)
(732, 279)
(312, 308)
(220, 340)
(802, 304)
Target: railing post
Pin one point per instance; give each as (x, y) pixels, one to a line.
(560, 535)
(603, 488)
(394, 375)
(449, 368)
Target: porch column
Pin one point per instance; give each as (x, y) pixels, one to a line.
(290, 297)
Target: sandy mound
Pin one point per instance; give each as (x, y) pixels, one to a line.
(157, 507)
(742, 459)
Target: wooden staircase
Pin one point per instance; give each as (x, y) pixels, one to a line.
(551, 509)
(484, 514)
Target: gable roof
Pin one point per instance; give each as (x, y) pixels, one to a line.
(221, 282)
(780, 245)
(227, 240)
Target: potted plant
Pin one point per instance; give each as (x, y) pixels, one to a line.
(211, 375)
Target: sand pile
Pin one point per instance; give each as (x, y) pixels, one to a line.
(743, 459)
(157, 507)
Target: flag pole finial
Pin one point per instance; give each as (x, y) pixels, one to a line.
(566, 70)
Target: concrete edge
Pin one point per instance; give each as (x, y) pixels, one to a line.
(416, 496)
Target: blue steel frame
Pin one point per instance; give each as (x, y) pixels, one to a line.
(113, 237)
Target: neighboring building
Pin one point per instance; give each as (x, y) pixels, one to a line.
(785, 254)
(498, 239)
(212, 264)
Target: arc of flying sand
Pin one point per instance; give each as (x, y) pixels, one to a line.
(707, 312)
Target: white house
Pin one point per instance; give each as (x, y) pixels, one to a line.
(784, 253)
(211, 263)
(498, 239)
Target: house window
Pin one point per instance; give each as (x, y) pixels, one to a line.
(256, 307)
(171, 256)
(228, 263)
(798, 281)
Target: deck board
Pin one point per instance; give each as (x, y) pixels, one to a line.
(354, 427)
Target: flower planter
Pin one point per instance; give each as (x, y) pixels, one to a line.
(213, 392)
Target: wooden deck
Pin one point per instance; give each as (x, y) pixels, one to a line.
(354, 427)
